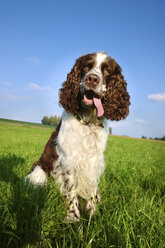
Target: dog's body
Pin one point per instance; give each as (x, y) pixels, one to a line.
(95, 89)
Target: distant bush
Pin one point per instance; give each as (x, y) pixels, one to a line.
(110, 130)
(163, 138)
(52, 120)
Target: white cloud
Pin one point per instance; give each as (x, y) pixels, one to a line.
(33, 60)
(121, 123)
(33, 86)
(143, 122)
(5, 83)
(16, 118)
(47, 90)
(13, 97)
(38, 109)
(157, 97)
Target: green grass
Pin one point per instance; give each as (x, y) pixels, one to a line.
(23, 123)
(131, 212)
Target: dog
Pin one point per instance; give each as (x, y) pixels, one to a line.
(95, 91)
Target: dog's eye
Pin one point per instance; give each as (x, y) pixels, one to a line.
(106, 71)
(86, 68)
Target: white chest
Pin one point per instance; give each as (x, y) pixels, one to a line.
(80, 149)
(77, 139)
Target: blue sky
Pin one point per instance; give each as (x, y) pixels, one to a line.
(40, 40)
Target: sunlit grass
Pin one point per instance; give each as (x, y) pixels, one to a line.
(131, 212)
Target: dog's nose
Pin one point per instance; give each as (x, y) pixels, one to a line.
(92, 80)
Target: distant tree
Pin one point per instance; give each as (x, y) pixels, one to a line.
(110, 130)
(45, 120)
(163, 138)
(52, 120)
(144, 137)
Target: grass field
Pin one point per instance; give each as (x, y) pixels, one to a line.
(23, 123)
(131, 212)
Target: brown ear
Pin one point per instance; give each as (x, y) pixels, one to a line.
(116, 100)
(69, 92)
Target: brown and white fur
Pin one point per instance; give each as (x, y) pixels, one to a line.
(95, 90)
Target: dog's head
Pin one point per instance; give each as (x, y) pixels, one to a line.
(96, 81)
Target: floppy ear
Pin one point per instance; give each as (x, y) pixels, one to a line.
(70, 88)
(116, 100)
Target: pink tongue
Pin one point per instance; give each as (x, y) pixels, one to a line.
(99, 106)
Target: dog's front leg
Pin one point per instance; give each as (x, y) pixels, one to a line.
(73, 213)
(70, 194)
(91, 203)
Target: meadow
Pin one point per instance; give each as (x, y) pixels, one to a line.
(130, 214)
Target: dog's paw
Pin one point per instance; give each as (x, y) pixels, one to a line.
(71, 219)
(37, 177)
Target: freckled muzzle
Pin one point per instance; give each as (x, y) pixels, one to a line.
(92, 89)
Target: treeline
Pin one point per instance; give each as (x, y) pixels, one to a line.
(163, 138)
(52, 120)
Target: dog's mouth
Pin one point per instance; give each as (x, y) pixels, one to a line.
(91, 98)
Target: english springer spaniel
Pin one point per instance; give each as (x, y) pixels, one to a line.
(95, 90)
